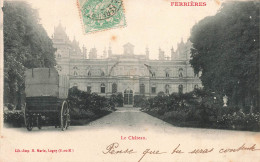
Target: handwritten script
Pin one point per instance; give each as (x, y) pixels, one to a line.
(114, 148)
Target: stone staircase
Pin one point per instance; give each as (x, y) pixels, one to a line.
(128, 106)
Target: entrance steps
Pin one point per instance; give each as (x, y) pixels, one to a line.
(128, 106)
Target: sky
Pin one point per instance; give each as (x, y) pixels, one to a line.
(150, 23)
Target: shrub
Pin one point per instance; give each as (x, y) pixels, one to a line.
(14, 117)
(10, 106)
(117, 99)
(140, 101)
(240, 120)
(202, 109)
(86, 105)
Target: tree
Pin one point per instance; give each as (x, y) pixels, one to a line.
(26, 45)
(226, 51)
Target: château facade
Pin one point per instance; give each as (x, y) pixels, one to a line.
(126, 73)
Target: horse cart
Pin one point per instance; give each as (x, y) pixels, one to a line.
(46, 93)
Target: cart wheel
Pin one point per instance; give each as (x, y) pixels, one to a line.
(68, 118)
(39, 124)
(24, 115)
(29, 125)
(64, 116)
(27, 119)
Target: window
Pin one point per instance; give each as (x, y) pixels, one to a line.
(75, 73)
(59, 55)
(196, 75)
(153, 89)
(89, 89)
(196, 86)
(114, 88)
(180, 88)
(142, 89)
(75, 68)
(153, 74)
(103, 88)
(180, 72)
(89, 73)
(167, 88)
(167, 75)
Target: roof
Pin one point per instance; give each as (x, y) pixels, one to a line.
(129, 44)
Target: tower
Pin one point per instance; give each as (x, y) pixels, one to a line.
(180, 52)
(128, 49)
(172, 54)
(109, 51)
(104, 53)
(84, 51)
(93, 53)
(188, 49)
(161, 54)
(60, 34)
(147, 53)
(61, 42)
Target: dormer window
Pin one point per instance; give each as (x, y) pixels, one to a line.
(89, 73)
(153, 74)
(102, 73)
(167, 75)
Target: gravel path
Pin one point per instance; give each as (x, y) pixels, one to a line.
(90, 141)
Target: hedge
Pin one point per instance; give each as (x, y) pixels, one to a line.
(201, 109)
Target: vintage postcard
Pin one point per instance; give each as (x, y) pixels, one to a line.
(129, 80)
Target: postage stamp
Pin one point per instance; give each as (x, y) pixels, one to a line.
(98, 15)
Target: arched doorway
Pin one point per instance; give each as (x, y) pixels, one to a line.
(128, 97)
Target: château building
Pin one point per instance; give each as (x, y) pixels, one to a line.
(127, 73)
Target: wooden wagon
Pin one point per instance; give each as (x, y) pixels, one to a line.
(46, 94)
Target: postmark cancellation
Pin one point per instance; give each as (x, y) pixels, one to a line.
(99, 15)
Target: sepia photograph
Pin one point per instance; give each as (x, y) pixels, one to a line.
(129, 80)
